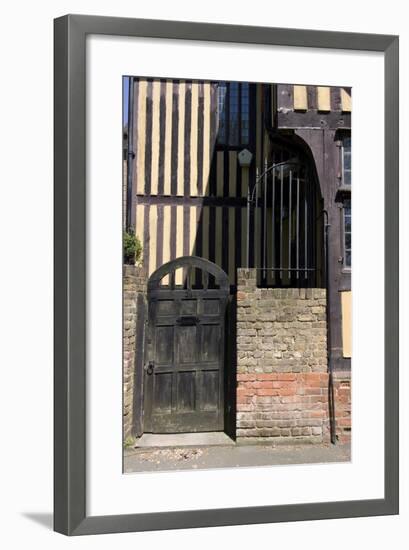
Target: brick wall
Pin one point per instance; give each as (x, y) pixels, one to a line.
(342, 399)
(124, 191)
(282, 380)
(134, 285)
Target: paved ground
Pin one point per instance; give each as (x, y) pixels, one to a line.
(228, 456)
(200, 439)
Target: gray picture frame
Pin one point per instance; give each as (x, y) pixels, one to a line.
(70, 497)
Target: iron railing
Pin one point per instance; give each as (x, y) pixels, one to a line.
(282, 220)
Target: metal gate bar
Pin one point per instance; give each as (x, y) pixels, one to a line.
(292, 206)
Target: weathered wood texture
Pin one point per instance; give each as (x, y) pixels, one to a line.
(184, 360)
(326, 154)
(320, 107)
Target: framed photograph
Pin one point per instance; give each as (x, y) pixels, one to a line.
(225, 352)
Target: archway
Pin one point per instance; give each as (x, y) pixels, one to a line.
(185, 348)
(285, 220)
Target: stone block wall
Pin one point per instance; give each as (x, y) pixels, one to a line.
(134, 285)
(282, 379)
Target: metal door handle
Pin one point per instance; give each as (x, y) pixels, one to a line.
(149, 367)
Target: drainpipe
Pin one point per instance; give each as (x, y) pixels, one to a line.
(130, 155)
(331, 401)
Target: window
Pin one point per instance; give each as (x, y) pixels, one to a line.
(347, 233)
(346, 160)
(233, 99)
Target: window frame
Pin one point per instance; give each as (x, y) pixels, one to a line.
(342, 139)
(240, 144)
(345, 267)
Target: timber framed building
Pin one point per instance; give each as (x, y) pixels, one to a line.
(254, 179)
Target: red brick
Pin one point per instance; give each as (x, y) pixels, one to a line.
(345, 422)
(246, 376)
(317, 414)
(245, 385)
(263, 384)
(244, 391)
(324, 377)
(286, 376)
(267, 391)
(242, 399)
(267, 376)
(280, 384)
(287, 391)
(312, 380)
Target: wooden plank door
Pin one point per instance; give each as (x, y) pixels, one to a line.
(184, 371)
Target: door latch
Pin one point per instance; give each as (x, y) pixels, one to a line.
(149, 367)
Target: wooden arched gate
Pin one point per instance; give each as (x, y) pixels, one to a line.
(184, 360)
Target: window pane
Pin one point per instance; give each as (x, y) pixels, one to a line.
(347, 233)
(221, 107)
(347, 178)
(346, 160)
(234, 114)
(245, 113)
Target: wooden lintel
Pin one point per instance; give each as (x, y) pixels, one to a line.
(314, 119)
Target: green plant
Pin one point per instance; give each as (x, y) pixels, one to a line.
(132, 247)
(129, 442)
